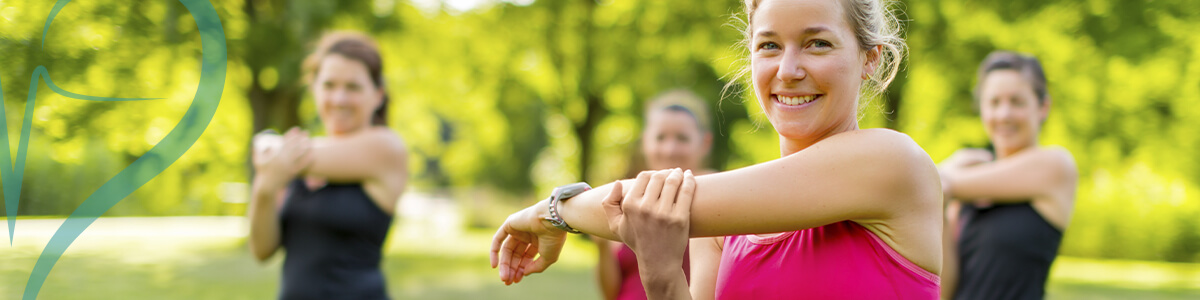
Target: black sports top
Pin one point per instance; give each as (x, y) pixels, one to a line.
(334, 238)
(1005, 252)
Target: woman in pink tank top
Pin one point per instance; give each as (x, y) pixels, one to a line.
(845, 213)
(676, 135)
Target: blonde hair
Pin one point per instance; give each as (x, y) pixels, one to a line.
(874, 24)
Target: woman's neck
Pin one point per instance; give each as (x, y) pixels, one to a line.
(1006, 153)
(788, 146)
(338, 134)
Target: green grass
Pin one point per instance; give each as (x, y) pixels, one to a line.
(205, 258)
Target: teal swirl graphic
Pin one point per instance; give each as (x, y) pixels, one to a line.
(146, 167)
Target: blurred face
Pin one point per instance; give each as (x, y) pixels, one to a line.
(345, 95)
(807, 68)
(1010, 111)
(673, 140)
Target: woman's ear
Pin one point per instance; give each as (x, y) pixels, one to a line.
(380, 95)
(871, 61)
(1044, 109)
(707, 143)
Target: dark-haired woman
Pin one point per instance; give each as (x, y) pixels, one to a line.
(1006, 216)
(329, 201)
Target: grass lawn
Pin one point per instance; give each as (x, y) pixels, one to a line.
(206, 258)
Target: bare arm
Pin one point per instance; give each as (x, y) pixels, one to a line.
(858, 175)
(1030, 175)
(876, 177)
(361, 157)
(608, 269)
(706, 258)
(276, 161)
(264, 221)
(376, 157)
(949, 274)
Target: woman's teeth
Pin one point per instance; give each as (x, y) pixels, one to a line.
(796, 100)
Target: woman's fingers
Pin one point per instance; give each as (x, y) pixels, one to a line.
(506, 246)
(670, 188)
(506, 253)
(639, 186)
(292, 132)
(612, 207)
(654, 189)
(687, 193)
(497, 242)
(526, 267)
(516, 254)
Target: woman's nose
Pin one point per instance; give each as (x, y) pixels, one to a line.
(339, 96)
(791, 67)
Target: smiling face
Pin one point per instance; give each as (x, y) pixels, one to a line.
(1011, 111)
(345, 95)
(673, 139)
(807, 69)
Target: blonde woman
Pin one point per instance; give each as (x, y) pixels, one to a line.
(845, 213)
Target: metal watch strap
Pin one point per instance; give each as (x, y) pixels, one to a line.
(562, 193)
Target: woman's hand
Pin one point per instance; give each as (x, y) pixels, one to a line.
(278, 160)
(654, 220)
(965, 157)
(523, 237)
(961, 159)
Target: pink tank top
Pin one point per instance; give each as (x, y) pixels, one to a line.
(837, 261)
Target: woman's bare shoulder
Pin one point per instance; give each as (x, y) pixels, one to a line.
(885, 144)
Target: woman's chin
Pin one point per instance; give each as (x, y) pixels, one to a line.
(339, 129)
(794, 130)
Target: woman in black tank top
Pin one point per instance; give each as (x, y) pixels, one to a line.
(328, 202)
(1005, 216)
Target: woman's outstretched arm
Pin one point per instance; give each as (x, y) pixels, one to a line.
(375, 157)
(858, 175)
(1026, 176)
(863, 175)
(276, 161)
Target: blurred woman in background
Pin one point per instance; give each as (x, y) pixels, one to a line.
(676, 135)
(1005, 216)
(329, 201)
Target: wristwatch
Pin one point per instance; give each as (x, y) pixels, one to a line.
(561, 194)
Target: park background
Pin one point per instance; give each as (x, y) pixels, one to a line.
(499, 101)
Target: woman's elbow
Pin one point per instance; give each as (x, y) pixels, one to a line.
(261, 253)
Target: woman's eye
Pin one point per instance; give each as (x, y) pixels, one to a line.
(768, 46)
(1018, 102)
(822, 44)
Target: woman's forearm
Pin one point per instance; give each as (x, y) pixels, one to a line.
(264, 220)
(368, 155)
(608, 269)
(949, 275)
(584, 212)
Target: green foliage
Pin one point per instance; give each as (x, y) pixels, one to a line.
(518, 98)
(1120, 76)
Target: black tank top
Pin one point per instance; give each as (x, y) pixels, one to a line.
(333, 237)
(1005, 252)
